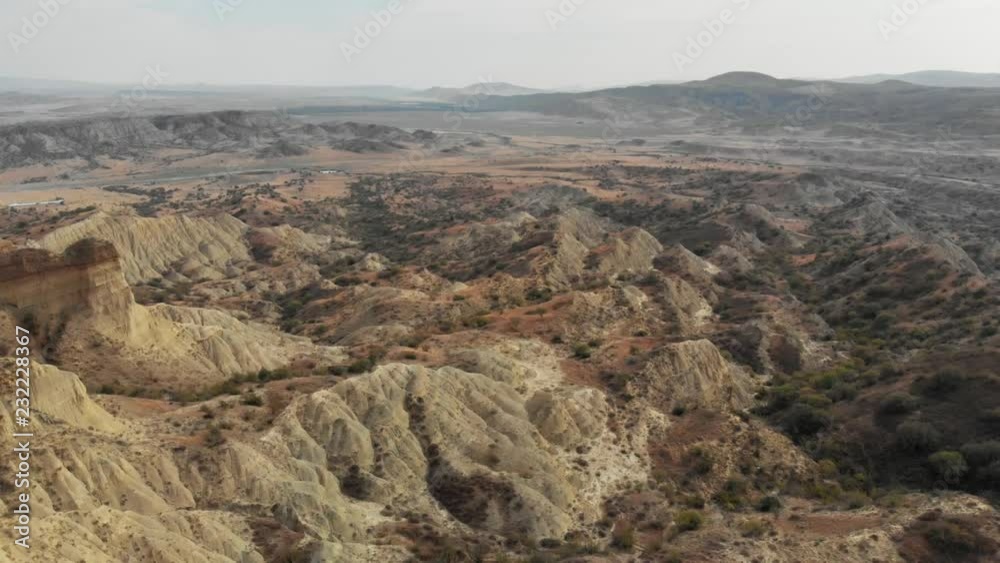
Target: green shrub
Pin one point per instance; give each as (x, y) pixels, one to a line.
(754, 528)
(897, 403)
(280, 374)
(693, 501)
(214, 438)
(991, 416)
(938, 385)
(770, 504)
(826, 492)
(949, 466)
(889, 372)
(291, 309)
(252, 400)
(733, 495)
(538, 294)
(780, 398)
(913, 436)
(990, 473)
(476, 322)
(981, 454)
(701, 461)
(361, 366)
(803, 420)
(623, 536)
(855, 500)
(955, 540)
(582, 351)
(815, 400)
(842, 392)
(828, 468)
(688, 520)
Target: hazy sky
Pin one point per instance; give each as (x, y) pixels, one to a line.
(457, 42)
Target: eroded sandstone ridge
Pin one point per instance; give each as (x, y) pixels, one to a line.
(84, 315)
(177, 246)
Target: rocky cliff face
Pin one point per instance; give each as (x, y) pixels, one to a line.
(693, 373)
(50, 289)
(80, 306)
(175, 247)
(632, 251)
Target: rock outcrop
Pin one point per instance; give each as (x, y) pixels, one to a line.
(285, 243)
(50, 289)
(617, 310)
(174, 247)
(684, 305)
(692, 373)
(632, 251)
(80, 306)
(463, 448)
(682, 262)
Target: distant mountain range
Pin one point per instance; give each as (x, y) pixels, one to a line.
(482, 89)
(933, 78)
(373, 91)
(914, 103)
(938, 78)
(46, 86)
(755, 101)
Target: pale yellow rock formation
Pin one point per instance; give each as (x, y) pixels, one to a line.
(174, 246)
(693, 373)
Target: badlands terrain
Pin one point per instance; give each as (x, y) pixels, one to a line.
(736, 320)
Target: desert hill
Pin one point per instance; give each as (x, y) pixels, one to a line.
(759, 101)
(267, 133)
(475, 91)
(938, 78)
